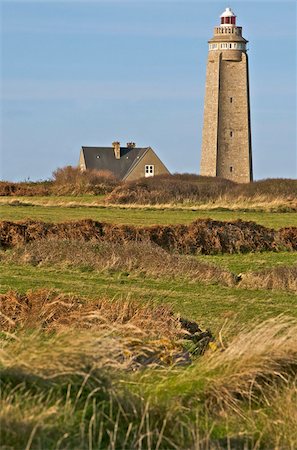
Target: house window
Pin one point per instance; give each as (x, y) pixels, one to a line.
(149, 170)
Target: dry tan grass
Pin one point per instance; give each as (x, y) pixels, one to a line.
(83, 336)
(254, 363)
(282, 278)
(258, 203)
(136, 258)
(51, 311)
(281, 419)
(250, 380)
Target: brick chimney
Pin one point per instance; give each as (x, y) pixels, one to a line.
(117, 149)
(131, 145)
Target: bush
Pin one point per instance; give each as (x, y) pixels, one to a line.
(178, 188)
(41, 188)
(190, 188)
(71, 180)
(271, 187)
(67, 180)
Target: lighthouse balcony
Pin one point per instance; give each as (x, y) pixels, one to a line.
(228, 30)
(227, 46)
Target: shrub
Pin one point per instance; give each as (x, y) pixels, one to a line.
(66, 181)
(25, 188)
(271, 188)
(71, 180)
(178, 188)
(189, 188)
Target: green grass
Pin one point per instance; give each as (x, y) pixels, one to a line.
(141, 216)
(210, 305)
(244, 262)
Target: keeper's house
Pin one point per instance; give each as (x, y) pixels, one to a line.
(126, 163)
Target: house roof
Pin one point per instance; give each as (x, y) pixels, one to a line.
(103, 158)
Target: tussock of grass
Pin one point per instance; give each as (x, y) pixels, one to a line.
(71, 393)
(136, 334)
(282, 278)
(133, 258)
(243, 369)
(51, 311)
(253, 363)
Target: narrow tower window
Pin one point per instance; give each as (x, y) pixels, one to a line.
(231, 99)
(231, 133)
(231, 169)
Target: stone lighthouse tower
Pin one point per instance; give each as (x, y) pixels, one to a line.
(226, 140)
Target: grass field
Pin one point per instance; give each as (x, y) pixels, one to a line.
(239, 263)
(141, 216)
(69, 389)
(209, 305)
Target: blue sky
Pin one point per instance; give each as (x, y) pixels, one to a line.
(88, 73)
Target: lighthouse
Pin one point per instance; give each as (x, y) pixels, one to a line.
(226, 139)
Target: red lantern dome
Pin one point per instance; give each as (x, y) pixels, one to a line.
(228, 17)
